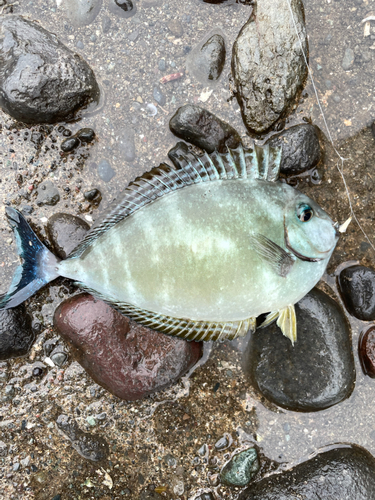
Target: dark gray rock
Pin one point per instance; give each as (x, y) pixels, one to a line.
(41, 80)
(16, 333)
(158, 95)
(318, 371)
(268, 66)
(203, 129)
(301, 148)
(85, 134)
(366, 351)
(357, 288)
(69, 144)
(48, 194)
(207, 59)
(241, 468)
(65, 232)
(105, 171)
(347, 472)
(89, 446)
(93, 196)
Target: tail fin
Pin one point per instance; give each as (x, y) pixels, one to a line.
(38, 267)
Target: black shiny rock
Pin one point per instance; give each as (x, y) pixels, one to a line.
(337, 474)
(318, 371)
(65, 231)
(203, 129)
(69, 144)
(16, 333)
(300, 148)
(122, 8)
(93, 196)
(86, 135)
(357, 288)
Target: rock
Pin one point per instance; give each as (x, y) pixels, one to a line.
(357, 289)
(301, 148)
(65, 231)
(241, 468)
(90, 446)
(128, 360)
(318, 371)
(348, 59)
(105, 171)
(41, 80)
(158, 95)
(126, 144)
(85, 134)
(122, 8)
(206, 61)
(16, 333)
(69, 144)
(203, 129)
(175, 27)
(343, 472)
(205, 496)
(81, 12)
(93, 196)
(59, 356)
(3, 449)
(366, 351)
(48, 194)
(268, 66)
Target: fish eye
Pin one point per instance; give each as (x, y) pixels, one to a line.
(305, 212)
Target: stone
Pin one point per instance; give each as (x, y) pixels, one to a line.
(241, 468)
(158, 95)
(48, 194)
(65, 232)
(126, 144)
(300, 148)
(175, 27)
(268, 45)
(348, 59)
(357, 289)
(41, 80)
(122, 8)
(314, 374)
(88, 445)
(69, 144)
(3, 449)
(81, 12)
(93, 196)
(203, 129)
(206, 61)
(126, 359)
(85, 134)
(16, 333)
(105, 171)
(342, 472)
(366, 351)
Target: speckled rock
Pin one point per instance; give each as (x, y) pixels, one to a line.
(268, 45)
(206, 60)
(81, 12)
(128, 360)
(65, 231)
(241, 468)
(48, 194)
(347, 472)
(90, 446)
(318, 371)
(366, 351)
(357, 288)
(300, 148)
(203, 129)
(41, 80)
(16, 333)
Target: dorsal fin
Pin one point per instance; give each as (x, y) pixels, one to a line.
(256, 162)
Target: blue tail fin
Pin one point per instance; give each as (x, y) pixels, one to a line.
(38, 267)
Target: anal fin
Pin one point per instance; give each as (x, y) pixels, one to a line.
(286, 321)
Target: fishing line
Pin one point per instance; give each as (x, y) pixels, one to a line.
(341, 159)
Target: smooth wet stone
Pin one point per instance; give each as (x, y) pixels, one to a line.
(88, 445)
(357, 288)
(268, 66)
(65, 232)
(337, 474)
(128, 360)
(93, 196)
(241, 468)
(41, 80)
(81, 12)
(206, 60)
(318, 371)
(203, 129)
(48, 194)
(85, 135)
(366, 351)
(300, 148)
(69, 144)
(16, 333)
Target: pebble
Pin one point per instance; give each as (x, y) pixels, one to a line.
(69, 144)
(48, 194)
(300, 148)
(86, 134)
(122, 8)
(158, 95)
(93, 196)
(59, 358)
(222, 443)
(38, 372)
(142, 361)
(348, 59)
(314, 374)
(161, 65)
(175, 27)
(16, 333)
(366, 351)
(65, 232)
(241, 468)
(205, 496)
(105, 171)
(357, 289)
(342, 472)
(3, 449)
(126, 144)
(203, 129)
(81, 12)
(206, 60)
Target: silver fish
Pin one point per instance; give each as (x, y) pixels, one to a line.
(198, 251)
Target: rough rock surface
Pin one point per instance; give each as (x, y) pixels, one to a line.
(241, 468)
(318, 371)
(128, 360)
(357, 288)
(300, 148)
(41, 80)
(335, 474)
(203, 129)
(65, 232)
(268, 45)
(16, 333)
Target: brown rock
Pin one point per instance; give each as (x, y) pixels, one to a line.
(128, 360)
(366, 351)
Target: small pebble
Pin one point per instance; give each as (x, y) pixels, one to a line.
(105, 171)
(86, 134)
(69, 144)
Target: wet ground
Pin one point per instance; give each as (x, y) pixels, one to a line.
(155, 443)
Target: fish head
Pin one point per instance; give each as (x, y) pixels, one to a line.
(309, 232)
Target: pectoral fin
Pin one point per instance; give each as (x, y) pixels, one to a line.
(286, 321)
(279, 259)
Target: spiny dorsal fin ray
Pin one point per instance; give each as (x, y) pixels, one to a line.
(179, 327)
(240, 163)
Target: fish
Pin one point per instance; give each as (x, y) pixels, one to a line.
(199, 250)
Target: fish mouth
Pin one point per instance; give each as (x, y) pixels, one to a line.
(300, 255)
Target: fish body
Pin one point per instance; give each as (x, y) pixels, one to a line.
(201, 250)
